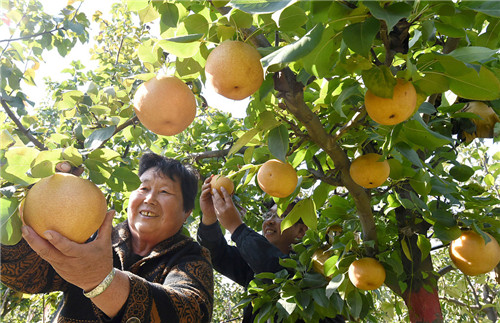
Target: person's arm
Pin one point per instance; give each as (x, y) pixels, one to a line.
(208, 215)
(84, 265)
(185, 294)
(226, 259)
(21, 268)
(257, 251)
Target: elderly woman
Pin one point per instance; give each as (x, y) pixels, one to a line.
(143, 270)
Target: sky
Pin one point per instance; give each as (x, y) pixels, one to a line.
(54, 63)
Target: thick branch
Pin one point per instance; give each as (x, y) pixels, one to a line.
(20, 126)
(445, 270)
(293, 95)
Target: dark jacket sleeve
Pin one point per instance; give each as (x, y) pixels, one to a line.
(259, 254)
(25, 271)
(226, 259)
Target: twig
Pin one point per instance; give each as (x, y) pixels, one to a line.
(357, 118)
(20, 126)
(445, 270)
(31, 36)
(119, 50)
(127, 123)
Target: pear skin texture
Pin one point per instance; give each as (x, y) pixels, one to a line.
(70, 205)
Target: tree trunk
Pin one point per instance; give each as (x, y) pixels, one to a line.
(423, 306)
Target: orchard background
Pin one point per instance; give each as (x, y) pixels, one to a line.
(319, 59)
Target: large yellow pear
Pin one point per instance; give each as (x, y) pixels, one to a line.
(368, 171)
(391, 111)
(233, 69)
(367, 273)
(165, 105)
(472, 256)
(70, 205)
(277, 178)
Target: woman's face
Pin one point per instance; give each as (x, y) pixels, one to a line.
(155, 210)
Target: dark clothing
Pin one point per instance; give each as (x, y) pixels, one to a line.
(174, 283)
(252, 254)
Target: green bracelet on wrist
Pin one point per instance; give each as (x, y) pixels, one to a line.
(102, 286)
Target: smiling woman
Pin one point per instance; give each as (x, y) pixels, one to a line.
(142, 262)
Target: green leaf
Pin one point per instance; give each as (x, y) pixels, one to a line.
(148, 14)
(241, 19)
(320, 60)
(288, 306)
(72, 155)
(424, 245)
(409, 153)
(195, 24)
(433, 83)
(359, 37)
(123, 180)
(421, 183)
(446, 234)
(69, 99)
(295, 51)
(136, 5)
(278, 142)
(242, 141)
(148, 52)
(472, 54)
(10, 229)
(169, 14)
(461, 173)
(476, 86)
(420, 135)
(44, 164)
(292, 18)
(99, 136)
(406, 250)
(183, 47)
(355, 303)
(101, 109)
(390, 14)
(6, 139)
(449, 30)
(308, 213)
(380, 81)
(18, 163)
(490, 8)
(260, 6)
(103, 154)
(489, 180)
(291, 218)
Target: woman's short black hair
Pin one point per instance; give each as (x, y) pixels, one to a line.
(174, 169)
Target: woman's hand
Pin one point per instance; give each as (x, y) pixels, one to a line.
(83, 265)
(206, 203)
(225, 210)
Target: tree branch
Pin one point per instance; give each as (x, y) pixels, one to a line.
(214, 154)
(292, 93)
(20, 126)
(356, 119)
(443, 271)
(127, 123)
(31, 36)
